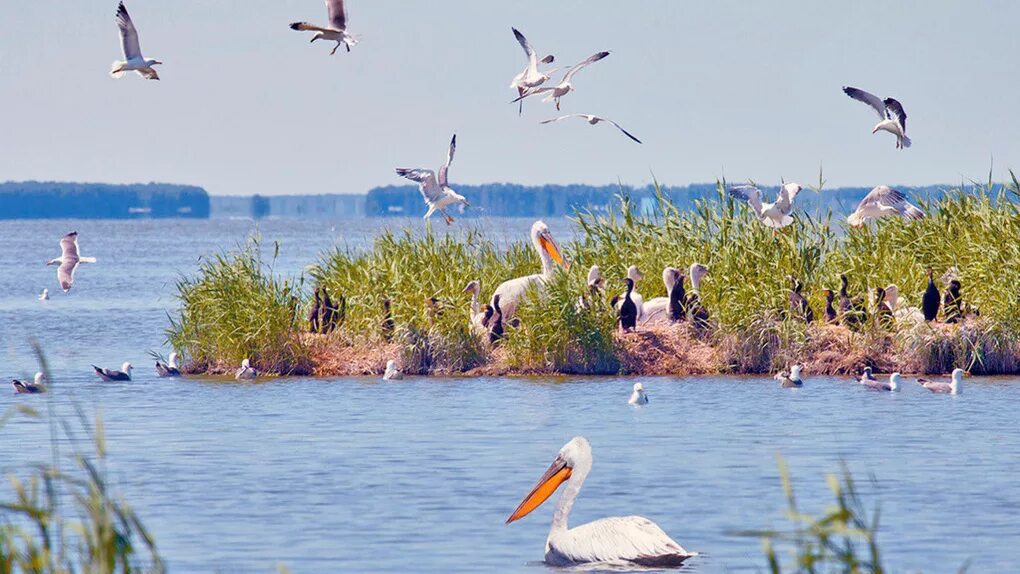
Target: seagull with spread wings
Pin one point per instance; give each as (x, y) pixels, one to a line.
(775, 215)
(133, 59)
(881, 202)
(337, 29)
(565, 86)
(894, 119)
(436, 190)
(68, 260)
(530, 77)
(593, 120)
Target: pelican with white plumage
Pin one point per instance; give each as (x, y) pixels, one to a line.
(68, 261)
(883, 201)
(435, 189)
(566, 84)
(623, 541)
(594, 120)
(656, 311)
(512, 292)
(133, 59)
(776, 214)
(531, 77)
(893, 118)
(337, 29)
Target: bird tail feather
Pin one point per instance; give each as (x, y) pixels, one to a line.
(117, 69)
(905, 141)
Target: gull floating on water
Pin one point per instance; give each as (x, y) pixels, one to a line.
(866, 376)
(110, 375)
(892, 385)
(29, 388)
(392, 372)
(133, 59)
(620, 540)
(882, 202)
(894, 119)
(638, 397)
(436, 190)
(170, 368)
(565, 86)
(68, 261)
(775, 215)
(953, 387)
(45, 295)
(337, 29)
(530, 77)
(792, 379)
(246, 372)
(593, 120)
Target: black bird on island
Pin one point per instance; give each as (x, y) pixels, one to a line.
(851, 311)
(830, 312)
(799, 307)
(325, 312)
(388, 325)
(496, 331)
(930, 299)
(628, 310)
(678, 300)
(952, 303)
(313, 314)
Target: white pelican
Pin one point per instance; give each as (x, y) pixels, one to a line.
(29, 388)
(246, 372)
(953, 387)
(565, 86)
(436, 190)
(656, 310)
(903, 313)
(593, 120)
(791, 380)
(170, 368)
(892, 385)
(620, 540)
(639, 396)
(337, 30)
(68, 260)
(775, 215)
(392, 372)
(45, 295)
(133, 59)
(594, 282)
(512, 292)
(110, 375)
(479, 314)
(883, 201)
(530, 77)
(894, 119)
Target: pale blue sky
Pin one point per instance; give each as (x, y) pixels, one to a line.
(741, 89)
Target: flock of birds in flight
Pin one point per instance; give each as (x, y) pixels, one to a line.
(631, 540)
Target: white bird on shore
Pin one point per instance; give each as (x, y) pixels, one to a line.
(953, 387)
(655, 311)
(903, 313)
(436, 190)
(894, 119)
(792, 379)
(337, 29)
(110, 375)
(775, 215)
(45, 295)
(638, 397)
(133, 59)
(168, 369)
(616, 541)
(593, 120)
(891, 386)
(565, 86)
(392, 372)
(883, 201)
(512, 292)
(479, 314)
(29, 388)
(530, 77)
(68, 261)
(246, 372)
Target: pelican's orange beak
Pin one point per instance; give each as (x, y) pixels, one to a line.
(557, 473)
(550, 247)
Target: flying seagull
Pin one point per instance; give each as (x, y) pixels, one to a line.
(133, 59)
(564, 87)
(775, 215)
(68, 260)
(110, 375)
(337, 30)
(894, 119)
(436, 191)
(883, 201)
(530, 77)
(593, 120)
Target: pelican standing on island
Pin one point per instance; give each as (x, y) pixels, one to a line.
(622, 540)
(337, 30)
(660, 310)
(68, 261)
(512, 292)
(530, 77)
(133, 59)
(436, 190)
(639, 396)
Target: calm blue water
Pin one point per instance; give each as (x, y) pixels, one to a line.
(364, 476)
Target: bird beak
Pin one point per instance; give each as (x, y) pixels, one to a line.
(557, 473)
(553, 250)
(467, 203)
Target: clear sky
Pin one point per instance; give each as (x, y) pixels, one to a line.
(721, 88)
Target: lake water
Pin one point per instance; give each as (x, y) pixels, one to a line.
(360, 475)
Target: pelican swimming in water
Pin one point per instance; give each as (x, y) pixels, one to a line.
(110, 375)
(512, 292)
(892, 386)
(392, 372)
(953, 387)
(170, 368)
(337, 29)
(436, 190)
(790, 380)
(29, 388)
(883, 201)
(530, 77)
(894, 119)
(776, 214)
(246, 372)
(565, 86)
(639, 396)
(68, 260)
(622, 541)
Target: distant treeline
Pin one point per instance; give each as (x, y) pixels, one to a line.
(57, 200)
(511, 200)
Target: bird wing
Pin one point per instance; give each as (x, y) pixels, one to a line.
(894, 110)
(443, 171)
(69, 246)
(787, 194)
(531, 92)
(577, 67)
(65, 274)
(337, 14)
(882, 196)
(619, 127)
(128, 34)
(427, 183)
(532, 56)
(872, 100)
(750, 194)
(627, 538)
(552, 120)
